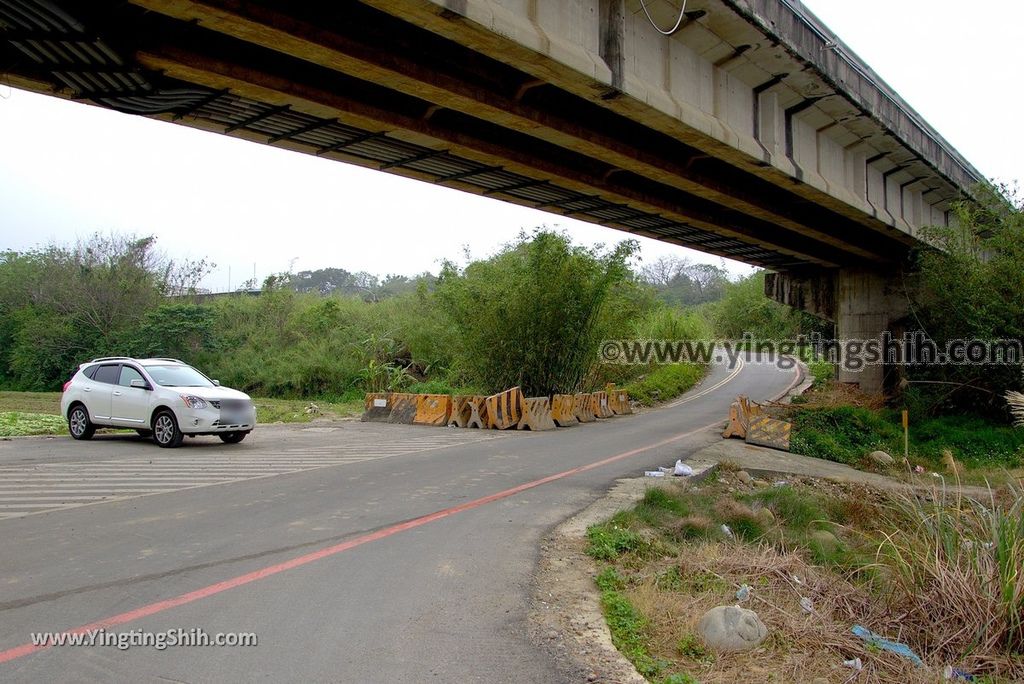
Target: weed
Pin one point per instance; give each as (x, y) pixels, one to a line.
(670, 580)
(608, 541)
(665, 382)
(691, 647)
(797, 509)
(657, 497)
(609, 579)
(16, 424)
(628, 628)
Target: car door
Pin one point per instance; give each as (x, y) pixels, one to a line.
(130, 405)
(98, 393)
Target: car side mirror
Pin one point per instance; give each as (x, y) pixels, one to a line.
(216, 383)
(141, 384)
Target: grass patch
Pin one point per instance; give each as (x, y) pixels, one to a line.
(628, 628)
(665, 382)
(19, 424)
(846, 434)
(31, 402)
(29, 410)
(304, 410)
(612, 539)
(941, 573)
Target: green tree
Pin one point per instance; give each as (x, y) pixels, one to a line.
(531, 315)
(971, 287)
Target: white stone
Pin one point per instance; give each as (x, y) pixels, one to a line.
(881, 458)
(731, 628)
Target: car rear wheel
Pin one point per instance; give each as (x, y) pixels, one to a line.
(232, 437)
(79, 424)
(166, 433)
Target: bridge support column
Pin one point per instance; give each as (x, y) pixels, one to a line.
(863, 305)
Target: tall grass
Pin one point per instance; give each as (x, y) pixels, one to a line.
(956, 577)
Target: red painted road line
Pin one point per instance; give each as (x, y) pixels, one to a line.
(248, 578)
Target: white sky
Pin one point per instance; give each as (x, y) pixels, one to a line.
(68, 170)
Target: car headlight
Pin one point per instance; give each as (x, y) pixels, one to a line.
(193, 402)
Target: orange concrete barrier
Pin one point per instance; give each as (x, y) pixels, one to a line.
(618, 400)
(461, 411)
(769, 432)
(504, 409)
(477, 412)
(563, 410)
(377, 407)
(536, 415)
(582, 409)
(599, 405)
(741, 412)
(433, 409)
(403, 408)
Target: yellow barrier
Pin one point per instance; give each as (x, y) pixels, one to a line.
(377, 407)
(599, 405)
(461, 411)
(504, 409)
(582, 409)
(432, 409)
(536, 415)
(618, 400)
(769, 432)
(477, 412)
(403, 408)
(741, 412)
(563, 411)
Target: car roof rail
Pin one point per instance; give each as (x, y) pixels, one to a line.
(112, 358)
(164, 358)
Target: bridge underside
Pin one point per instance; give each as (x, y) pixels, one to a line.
(358, 84)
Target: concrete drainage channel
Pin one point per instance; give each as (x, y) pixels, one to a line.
(566, 616)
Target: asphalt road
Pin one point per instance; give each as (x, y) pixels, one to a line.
(355, 552)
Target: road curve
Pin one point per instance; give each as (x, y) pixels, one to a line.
(360, 553)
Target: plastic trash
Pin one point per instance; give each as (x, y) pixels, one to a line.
(796, 579)
(726, 531)
(743, 593)
(950, 673)
(780, 483)
(682, 469)
(886, 645)
(665, 469)
(854, 664)
(653, 473)
(806, 604)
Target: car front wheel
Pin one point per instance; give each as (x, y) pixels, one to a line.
(79, 424)
(232, 437)
(165, 430)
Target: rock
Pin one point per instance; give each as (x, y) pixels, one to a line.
(743, 476)
(761, 484)
(765, 516)
(825, 539)
(881, 458)
(731, 628)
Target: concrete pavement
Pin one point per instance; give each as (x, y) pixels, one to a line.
(411, 566)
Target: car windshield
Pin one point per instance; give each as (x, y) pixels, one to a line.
(178, 376)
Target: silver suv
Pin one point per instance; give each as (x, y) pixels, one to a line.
(162, 398)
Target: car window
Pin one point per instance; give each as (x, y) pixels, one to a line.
(128, 374)
(177, 376)
(90, 372)
(107, 374)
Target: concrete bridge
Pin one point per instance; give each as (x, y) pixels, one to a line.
(741, 128)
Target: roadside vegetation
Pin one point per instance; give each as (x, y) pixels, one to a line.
(938, 572)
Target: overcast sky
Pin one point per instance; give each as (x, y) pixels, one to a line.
(68, 170)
